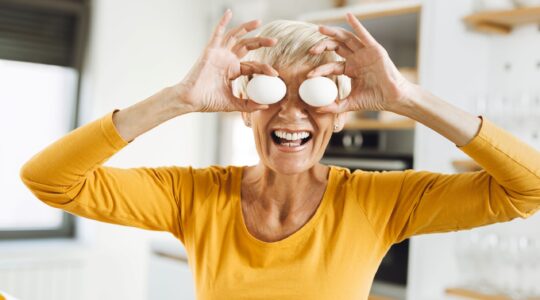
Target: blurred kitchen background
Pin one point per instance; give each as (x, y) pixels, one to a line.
(64, 63)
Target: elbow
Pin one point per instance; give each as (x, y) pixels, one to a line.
(525, 204)
(49, 194)
(25, 174)
(513, 199)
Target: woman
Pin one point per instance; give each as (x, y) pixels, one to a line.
(288, 227)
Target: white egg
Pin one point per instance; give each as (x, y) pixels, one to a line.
(318, 91)
(265, 89)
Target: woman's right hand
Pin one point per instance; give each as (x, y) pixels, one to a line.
(207, 86)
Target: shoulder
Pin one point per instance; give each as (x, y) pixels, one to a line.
(368, 185)
(361, 177)
(189, 175)
(217, 173)
(211, 176)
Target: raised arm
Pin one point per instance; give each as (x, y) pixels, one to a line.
(508, 187)
(378, 85)
(69, 174)
(402, 204)
(207, 87)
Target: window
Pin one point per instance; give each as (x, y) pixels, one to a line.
(41, 43)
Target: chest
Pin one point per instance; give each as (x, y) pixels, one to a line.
(331, 261)
(271, 224)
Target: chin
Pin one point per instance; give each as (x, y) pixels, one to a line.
(290, 166)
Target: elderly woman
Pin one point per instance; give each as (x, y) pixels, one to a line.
(288, 227)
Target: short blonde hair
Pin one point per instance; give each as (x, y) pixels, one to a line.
(294, 39)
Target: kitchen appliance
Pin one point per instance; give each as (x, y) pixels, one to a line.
(378, 150)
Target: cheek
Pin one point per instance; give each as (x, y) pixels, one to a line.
(259, 125)
(324, 122)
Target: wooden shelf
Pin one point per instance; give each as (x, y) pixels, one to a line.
(363, 11)
(368, 124)
(469, 294)
(502, 21)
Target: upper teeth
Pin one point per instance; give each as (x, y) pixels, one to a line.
(291, 136)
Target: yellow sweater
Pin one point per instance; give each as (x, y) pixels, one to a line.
(334, 256)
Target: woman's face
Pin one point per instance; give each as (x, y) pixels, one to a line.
(290, 136)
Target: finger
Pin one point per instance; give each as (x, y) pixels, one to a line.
(246, 105)
(331, 45)
(336, 107)
(331, 68)
(245, 45)
(232, 36)
(251, 67)
(365, 37)
(342, 35)
(217, 35)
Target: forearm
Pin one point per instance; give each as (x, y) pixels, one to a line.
(450, 121)
(511, 162)
(139, 118)
(57, 168)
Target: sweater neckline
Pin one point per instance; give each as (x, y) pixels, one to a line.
(297, 236)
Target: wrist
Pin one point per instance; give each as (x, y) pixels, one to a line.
(175, 100)
(409, 103)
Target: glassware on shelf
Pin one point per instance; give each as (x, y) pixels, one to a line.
(518, 112)
(494, 264)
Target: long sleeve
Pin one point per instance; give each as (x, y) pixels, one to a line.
(68, 174)
(417, 202)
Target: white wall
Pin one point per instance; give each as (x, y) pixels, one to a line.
(136, 48)
(457, 65)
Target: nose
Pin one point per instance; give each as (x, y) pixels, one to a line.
(292, 107)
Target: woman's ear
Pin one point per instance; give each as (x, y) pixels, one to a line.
(339, 121)
(246, 116)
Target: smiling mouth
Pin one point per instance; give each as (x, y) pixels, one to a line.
(290, 139)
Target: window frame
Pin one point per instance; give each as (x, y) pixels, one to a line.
(65, 230)
(81, 10)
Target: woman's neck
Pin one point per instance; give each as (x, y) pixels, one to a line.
(283, 192)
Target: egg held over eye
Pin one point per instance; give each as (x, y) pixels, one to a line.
(318, 91)
(264, 89)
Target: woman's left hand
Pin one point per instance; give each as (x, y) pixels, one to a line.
(376, 83)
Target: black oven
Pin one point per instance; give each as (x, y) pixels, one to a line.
(378, 150)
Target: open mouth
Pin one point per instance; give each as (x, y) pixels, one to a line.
(290, 139)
